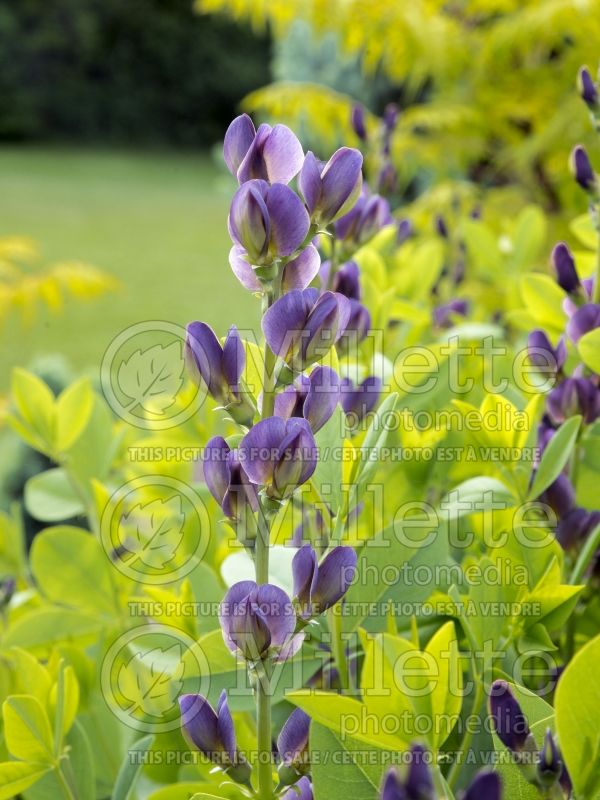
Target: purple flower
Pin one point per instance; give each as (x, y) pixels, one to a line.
(279, 454)
(318, 587)
(419, 780)
(486, 785)
(297, 273)
(346, 280)
(357, 120)
(359, 324)
(587, 88)
(227, 481)
(564, 266)
(359, 401)
(550, 764)
(543, 355)
(576, 526)
(314, 397)
(574, 396)
(560, 496)
(302, 326)
(330, 190)
(387, 180)
(510, 723)
(582, 169)
(267, 222)
(259, 621)
(584, 320)
(270, 154)
(302, 790)
(212, 732)
(292, 743)
(392, 787)
(405, 231)
(390, 116)
(440, 226)
(370, 214)
(443, 315)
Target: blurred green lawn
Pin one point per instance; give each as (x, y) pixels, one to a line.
(157, 222)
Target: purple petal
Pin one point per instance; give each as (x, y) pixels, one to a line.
(204, 354)
(299, 272)
(347, 280)
(259, 449)
(253, 166)
(225, 726)
(234, 358)
(293, 738)
(282, 154)
(289, 219)
(284, 321)
(290, 648)
(341, 183)
(285, 402)
(216, 467)
(584, 320)
(322, 397)
(334, 576)
(229, 605)
(240, 135)
(289, 468)
(485, 786)
(200, 723)
(249, 223)
(324, 326)
(564, 264)
(304, 567)
(509, 721)
(309, 182)
(278, 612)
(419, 780)
(249, 629)
(302, 790)
(243, 270)
(392, 788)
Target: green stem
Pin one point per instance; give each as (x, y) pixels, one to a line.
(66, 789)
(338, 649)
(587, 553)
(468, 734)
(596, 289)
(263, 716)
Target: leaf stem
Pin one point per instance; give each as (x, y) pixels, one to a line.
(585, 556)
(338, 649)
(64, 785)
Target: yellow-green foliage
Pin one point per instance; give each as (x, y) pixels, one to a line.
(489, 83)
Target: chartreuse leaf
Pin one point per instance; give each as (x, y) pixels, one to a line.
(589, 349)
(584, 230)
(64, 702)
(543, 298)
(31, 677)
(51, 497)
(17, 776)
(73, 410)
(555, 456)
(27, 729)
(130, 768)
(43, 628)
(327, 477)
(370, 451)
(446, 691)
(578, 719)
(551, 600)
(191, 791)
(34, 404)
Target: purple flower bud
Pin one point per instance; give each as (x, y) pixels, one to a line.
(584, 320)
(279, 454)
(543, 355)
(564, 265)
(212, 732)
(576, 526)
(390, 116)
(369, 215)
(302, 790)
(331, 190)
(292, 743)
(582, 169)
(387, 180)
(419, 780)
(405, 231)
(267, 221)
(258, 621)
(545, 432)
(302, 326)
(311, 529)
(392, 787)
(270, 154)
(314, 397)
(346, 280)
(509, 721)
(359, 324)
(486, 785)
(550, 765)
(587, 88)
(359, 401)
(574, 396)
(443, 315)
(227, 481)
(357, 120)
(560, 496)
(317, 587)
(440, 226)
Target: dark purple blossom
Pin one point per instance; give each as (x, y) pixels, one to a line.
(486, 785)
(390, 116)
(318, 586)
(550, 764)
(370, 214)
(359, 401)
(576, 526)
(582, 170)
(212, 732)
(330, 190)
(560, 496)
(292, 742)
(271, 154)
(542, 355)
(387, 180)
(227, 481)
(405, 230)
(357, 120)
(564, 266)
(443, 315)
(279, 454)
(313, 397)
(584, 320)
(392, 787)
(259, 621)
(440, 226)
(267, 222)
(510, 723)
(302, 790)
(418, 782)
(359, 324)
(346, 280)
(587, 88)
(302, 326)
(574, 396)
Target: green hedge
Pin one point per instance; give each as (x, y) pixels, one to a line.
(123, 71)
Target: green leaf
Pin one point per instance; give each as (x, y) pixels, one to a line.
(16, 777)
(50, 497)
(589, 349)
(555, 456)
(446, 693)
(369, 457)
(191, 791)
(583, 228)
(150, 379)
(154, 531)
(34, 403)
(73, 410)
(327, 478)
(130, 768)
(528, 236)
(475, 495)
(578, 719)
(45, 627)
(64, 702)
(80, 766)
(27, 729)
(543, 298)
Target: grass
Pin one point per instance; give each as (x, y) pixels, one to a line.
(157, 222)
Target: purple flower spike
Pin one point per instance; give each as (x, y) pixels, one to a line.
(331, 190)
(302, 326)
(392, 787)
(360, 401)
(584, 320)
(267, 222)
(292, 743)
(419, 780)
(298, 273)
(313, 398)
(543, 355)
(302, 790)
(510, 723)
(564, 265)
(212, 732)
(258, 621)
(227, 481)
(574, 396)
(279, 454)
(587, 88)
(346, 280)
(318, 587)
(582, 169)
(270, 154)
(486, 785)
